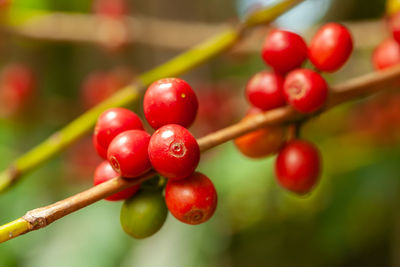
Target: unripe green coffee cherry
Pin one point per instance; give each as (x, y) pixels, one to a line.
(144, 214)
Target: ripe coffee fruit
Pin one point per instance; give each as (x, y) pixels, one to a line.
(284, 51)
(305, 90)
(331, 47)
(144, 214)
(105, 172)
(111, 123)
(174, 152)
(386, 54)
(298, 166)
(262, 142)
(170, 101)
(265, 90)
(192, 200)
(127, 153)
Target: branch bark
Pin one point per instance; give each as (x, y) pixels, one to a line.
(351, 90)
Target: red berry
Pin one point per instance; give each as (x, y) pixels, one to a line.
(97, 87)
(17, 88)
(331, 47)
(105, 172)
(110, 8)
(170, 101)
(265, 90)
(386, 54)
(305, 90)
(298, 166)
(111, 123)
(263, 142)
(127, 153)
(174, 152)
(284, 51)
(394, 25)
(192, 200)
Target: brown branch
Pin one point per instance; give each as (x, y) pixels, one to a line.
(351, 90)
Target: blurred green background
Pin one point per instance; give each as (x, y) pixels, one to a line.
(351, 219)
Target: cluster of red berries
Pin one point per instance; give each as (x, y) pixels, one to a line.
(298, 161)
(169, 106)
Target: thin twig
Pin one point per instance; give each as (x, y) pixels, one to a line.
(351, 90)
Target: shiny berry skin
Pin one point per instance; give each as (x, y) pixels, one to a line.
(265, 90)
(112, 122)
(192, 200)
(170, 101)
(144, 214)
(305, 90)
(284, 51)
(263, 142)
(105, 172)
(298, 166)
(386, 54)
(330, 47)
(174, 152)
(127, 153)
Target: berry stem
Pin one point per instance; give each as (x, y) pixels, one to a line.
(131, 93)
(351, 90)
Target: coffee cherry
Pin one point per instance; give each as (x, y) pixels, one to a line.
(262, 142)
(305, 90)
(127, 153)
(298, 166)
(192, 200)
(331, 47)
(386, 54)
(265, 90)
(170, 101)
(17, 88)
(111, 123)
(174, 152)
(284, 51)
(144, 214)
(105, 172)
(394, 25)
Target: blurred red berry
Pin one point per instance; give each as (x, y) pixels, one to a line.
(192, 200)
(110, 8)
(97, 87)
(263, 142)
(111, 123)
(17, 86)
(174, 152)
(105, 172)
(305, 90)
(127, 153)
(298, 166)
(170, 101)
(386, 54)
(394, 25)
(284, 51)
(331, 47)
(265, 90)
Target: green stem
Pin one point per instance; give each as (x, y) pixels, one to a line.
(126, 96)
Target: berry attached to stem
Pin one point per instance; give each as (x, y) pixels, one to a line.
(192, 200)
(284, 51)
(305, 90)
(127, 153)
(298, 166)
(174, 152)
(170, 101)
(144, 214)
(105, 172)
(331, 47)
